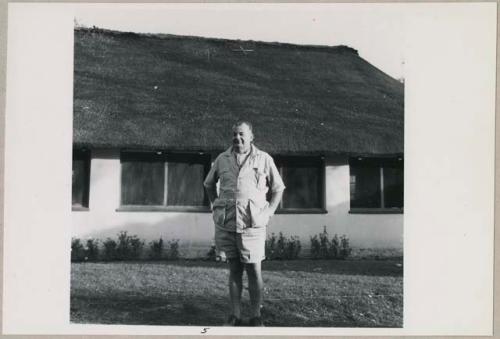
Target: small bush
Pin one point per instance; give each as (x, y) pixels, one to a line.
(334, 248)
(77, 250)
(324, 248)
(156, 249)
(173, 250)
(110, 250)
(293, 248)
(282, 248)
(315, 247)
(324, 244)
(92, 250)
(128, 247)
(136, 246)
(345, 248)
(270, 246)
(123, 246)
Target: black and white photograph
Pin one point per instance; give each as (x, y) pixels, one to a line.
(244, 181)
(289, 169)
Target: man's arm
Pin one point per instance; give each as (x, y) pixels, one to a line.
(276, 186)
(275, 201)
(210, 183)
(211, 193)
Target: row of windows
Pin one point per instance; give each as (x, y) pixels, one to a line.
(157, 179)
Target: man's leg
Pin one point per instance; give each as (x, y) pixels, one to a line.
(255, 285)
(235, 285)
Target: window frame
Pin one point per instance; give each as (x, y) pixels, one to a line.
(85, 155)
(165, 155)
(381, 162)
(279, 160)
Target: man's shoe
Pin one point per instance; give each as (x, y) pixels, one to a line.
(256, 322)
(233, 321)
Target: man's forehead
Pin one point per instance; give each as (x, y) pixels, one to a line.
(240, 127)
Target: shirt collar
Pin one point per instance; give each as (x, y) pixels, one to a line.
(253, 151)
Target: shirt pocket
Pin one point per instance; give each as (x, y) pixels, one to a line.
(226, 180)
(259, 218)
(219, 212)
(261, 179)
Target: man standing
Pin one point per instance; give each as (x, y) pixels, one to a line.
(241, 214)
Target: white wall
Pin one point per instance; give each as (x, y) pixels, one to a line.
(195, 230)
(363, 230)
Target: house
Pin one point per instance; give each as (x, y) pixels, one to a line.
(152, 111)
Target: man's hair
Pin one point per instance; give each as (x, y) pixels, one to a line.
(243, 122)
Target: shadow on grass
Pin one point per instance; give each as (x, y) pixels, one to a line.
(141, 310)
(392, 268)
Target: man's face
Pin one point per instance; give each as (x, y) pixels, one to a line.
(242, 138)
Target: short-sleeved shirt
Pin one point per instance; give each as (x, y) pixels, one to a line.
(243, 191)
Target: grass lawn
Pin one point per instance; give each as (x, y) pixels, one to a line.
(322, 293)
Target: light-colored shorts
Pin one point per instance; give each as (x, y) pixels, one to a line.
(248, 246)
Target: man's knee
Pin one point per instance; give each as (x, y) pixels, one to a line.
(253, 269)
(235, 267)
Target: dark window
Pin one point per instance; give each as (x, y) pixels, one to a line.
(365, 185)
(185, 180)
(143, 179)
(393, 185)
(158, 179)
(376, 183)
(304, 181)
(80, 178)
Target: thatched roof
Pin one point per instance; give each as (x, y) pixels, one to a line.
(184, 93)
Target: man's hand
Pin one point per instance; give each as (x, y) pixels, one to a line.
(268, 212)
(212, 194)
(273, 204)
